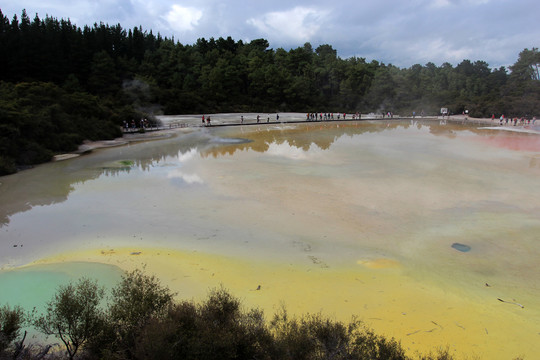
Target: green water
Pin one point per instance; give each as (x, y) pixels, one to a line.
(345, 191)
(337, 193)
(33, 286)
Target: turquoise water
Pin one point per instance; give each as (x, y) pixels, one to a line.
(338, 193)
(345, 191)
(33, 286)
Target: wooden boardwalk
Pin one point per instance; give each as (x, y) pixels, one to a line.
(251, 122)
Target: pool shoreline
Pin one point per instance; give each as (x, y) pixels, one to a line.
(378, 292)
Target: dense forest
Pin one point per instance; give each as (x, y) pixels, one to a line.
(143, 321)
(61, 84)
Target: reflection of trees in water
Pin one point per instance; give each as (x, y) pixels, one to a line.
(147, 156)
(323, 135)
(30, 193)
(302, 136)
(57, 181)
(49, 192)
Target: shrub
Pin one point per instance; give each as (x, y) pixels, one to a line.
(143, 322)
(136, 300)
(216, 329)
(11, 322)
(316, 337)
(7, 165)
(74, 315)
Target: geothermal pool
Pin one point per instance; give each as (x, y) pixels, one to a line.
(428, 232)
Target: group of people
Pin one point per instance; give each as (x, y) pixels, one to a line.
(143, 124)
(259, 118)
(328, 116)
(421, 114)
(309, 117)
(504, 120)
(206, 121)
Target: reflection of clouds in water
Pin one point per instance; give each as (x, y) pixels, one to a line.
(188, 155)
(187, 178)
(292, 152)
(178, 174)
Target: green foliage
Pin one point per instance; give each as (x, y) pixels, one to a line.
(103, 76)
(136, 300)
(7, 165)
(527, 67)
(126, 162)
(440, 354)
(143, 322)
(74, 315)
(60, 84)
(218, 328)
(11, 322)
(316, 337)
(223, 75)
(38, 120)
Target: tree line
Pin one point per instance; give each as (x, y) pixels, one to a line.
(143, 321)
(104, 74)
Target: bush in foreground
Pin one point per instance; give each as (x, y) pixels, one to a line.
(142, 321)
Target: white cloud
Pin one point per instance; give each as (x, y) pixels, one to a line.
(187, 178)
(391, 31)
(441, 3)
(446, 3)
(188, 155)
(149, 7)
(291, 152)
(477, 2)
(439, 48)
(182, 18)
(299, 23)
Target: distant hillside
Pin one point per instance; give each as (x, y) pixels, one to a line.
(60, 84)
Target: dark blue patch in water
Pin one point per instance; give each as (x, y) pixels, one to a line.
(461, 247)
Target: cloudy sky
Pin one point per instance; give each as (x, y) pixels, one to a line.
(401, 32)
